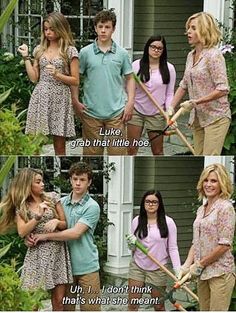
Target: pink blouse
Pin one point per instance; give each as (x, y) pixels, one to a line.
(216, 228)
(160, 248)
(161, 92)
(202, 78)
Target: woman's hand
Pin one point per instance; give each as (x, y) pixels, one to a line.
(43, 206)
(29, 240)
(182, 272)
(196, 269)
(23, 50)
(51, 69)
(51, 225)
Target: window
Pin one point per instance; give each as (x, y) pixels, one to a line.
(56, 176)
(26, 24)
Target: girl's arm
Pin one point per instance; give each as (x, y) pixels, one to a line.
(179, 94)
(73, 79)
(170, 87)
(172, 245)
(32, 70)
(62, 219)
(190, 258)
(25, 228)
(57, 223)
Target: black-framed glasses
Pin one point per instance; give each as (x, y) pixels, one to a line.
(151, 202)
(155, 48)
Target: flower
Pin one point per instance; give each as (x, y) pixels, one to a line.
(8, 56)
(226, 48)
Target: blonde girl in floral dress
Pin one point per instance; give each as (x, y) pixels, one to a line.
(46, 265)
(55, 68)
(210, 257)
(205, 79)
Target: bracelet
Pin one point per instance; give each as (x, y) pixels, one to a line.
(38, 217)
(27, 58)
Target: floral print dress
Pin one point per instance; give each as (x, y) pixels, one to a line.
(50, 109)
(47, 264)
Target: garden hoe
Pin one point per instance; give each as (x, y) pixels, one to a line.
(170, 122)
(177, 285)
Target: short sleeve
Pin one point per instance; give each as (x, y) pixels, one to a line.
(82, 61)
(134, 224)
(184, 82)
(36, 49)
(72, 52)
(54, 197)
(91, 216)
(226, 225)
(127, 66)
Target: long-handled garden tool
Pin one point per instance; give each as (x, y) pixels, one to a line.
(171, 121)
(142, 248)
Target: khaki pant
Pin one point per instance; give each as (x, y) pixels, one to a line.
(93, 130)
(88, 287)
(215, 293)
(209, 140)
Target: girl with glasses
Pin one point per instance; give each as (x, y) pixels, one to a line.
(159, 77)
(158, 232)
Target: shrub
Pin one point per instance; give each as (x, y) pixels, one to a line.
(229, 51)
(16, 251)
(12, 68)
(12, 297)
(12, 138)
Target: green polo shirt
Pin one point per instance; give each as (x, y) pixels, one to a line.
(104, 91)
(83, 251)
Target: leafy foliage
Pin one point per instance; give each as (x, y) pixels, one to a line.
(12, 296)
(13, 68)
(16, 251)
(230, 58)
(13, 140)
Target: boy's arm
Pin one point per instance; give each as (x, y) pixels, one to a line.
(69, 234)
(130, 88)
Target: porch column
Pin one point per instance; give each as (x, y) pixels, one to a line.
(123, 34)
(120, 213)
(222, 10)
(227, 161)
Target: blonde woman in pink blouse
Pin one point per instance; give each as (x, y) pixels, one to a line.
(210, 257)
(205, 80)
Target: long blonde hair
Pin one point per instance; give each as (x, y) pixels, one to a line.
(61, 27)
(17, 198)
(207, 29)
(223, 178)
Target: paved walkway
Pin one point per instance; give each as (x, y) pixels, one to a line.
(172, 145)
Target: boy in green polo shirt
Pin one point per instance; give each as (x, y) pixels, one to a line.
(105, 108)
(82, 215)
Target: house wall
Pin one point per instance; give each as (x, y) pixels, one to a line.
(167, 18)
